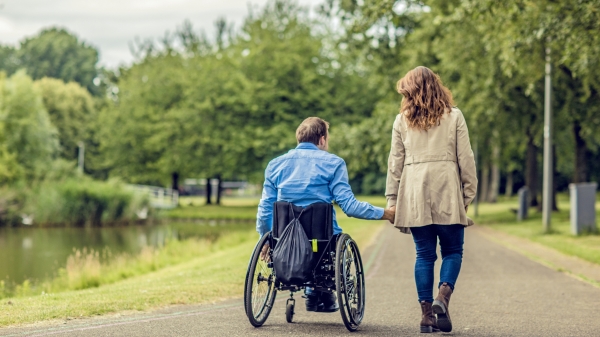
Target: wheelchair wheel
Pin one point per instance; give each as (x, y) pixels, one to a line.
(350, 282)
(260, 291)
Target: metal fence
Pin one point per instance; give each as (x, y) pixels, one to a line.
(160, 197)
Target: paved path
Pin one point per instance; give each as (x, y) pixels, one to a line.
(499, 293)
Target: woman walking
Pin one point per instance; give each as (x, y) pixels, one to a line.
(431, 180)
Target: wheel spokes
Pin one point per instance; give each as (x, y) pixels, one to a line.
(353, 295)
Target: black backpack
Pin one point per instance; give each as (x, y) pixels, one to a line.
(293, 255)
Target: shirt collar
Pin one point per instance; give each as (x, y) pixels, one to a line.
(307, 146)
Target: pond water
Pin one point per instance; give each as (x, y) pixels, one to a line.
(37, 253)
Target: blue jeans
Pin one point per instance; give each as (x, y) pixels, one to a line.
(451, 242)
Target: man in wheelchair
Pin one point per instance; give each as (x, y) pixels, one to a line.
(307, 175)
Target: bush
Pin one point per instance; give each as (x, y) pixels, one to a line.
(82, 201)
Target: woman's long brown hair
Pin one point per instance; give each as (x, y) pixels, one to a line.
(425, 100)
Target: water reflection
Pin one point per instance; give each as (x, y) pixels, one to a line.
(37, 253)
(27, 243)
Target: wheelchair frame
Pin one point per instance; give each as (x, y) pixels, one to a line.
(338, 270)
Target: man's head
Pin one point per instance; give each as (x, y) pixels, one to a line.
(314, 130)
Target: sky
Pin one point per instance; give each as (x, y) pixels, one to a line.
(110, 25)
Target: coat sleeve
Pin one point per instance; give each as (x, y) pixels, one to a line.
(395, 164)
(466, 161)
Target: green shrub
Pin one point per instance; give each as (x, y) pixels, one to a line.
(81, 201)
(93, 202)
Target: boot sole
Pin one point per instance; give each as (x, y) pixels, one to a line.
(443, 317)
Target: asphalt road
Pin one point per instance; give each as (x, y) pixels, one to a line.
(499, 293)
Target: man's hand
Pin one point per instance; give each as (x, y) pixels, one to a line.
(264, 253)
(389, 214)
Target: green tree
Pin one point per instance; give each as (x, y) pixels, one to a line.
(71, 110)
(28, 134)
(523, 29)
(143, 124)
(9, 62)
(57, 53)
(492, 57)
(365, 147)
(224, 110)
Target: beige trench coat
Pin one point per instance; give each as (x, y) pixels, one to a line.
(431, 174)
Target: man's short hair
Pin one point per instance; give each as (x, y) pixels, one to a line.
(311, 130)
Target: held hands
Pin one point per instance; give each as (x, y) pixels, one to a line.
(389, 214)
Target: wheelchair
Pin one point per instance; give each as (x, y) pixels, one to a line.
(336, 267)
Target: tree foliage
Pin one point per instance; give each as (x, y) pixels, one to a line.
(71, 109)
(29, 140)
(492, 56)
(193, 106)
(56, 53)
(225, 109)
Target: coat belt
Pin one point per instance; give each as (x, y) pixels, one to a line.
(409, 160)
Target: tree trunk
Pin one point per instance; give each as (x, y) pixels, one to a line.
(219, 189)
(508, 191)
(175, 181)
(495, 178)
(208, 191)
(485, 182)
(581, 156)
(531, 171)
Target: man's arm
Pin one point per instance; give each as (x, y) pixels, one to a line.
(342, 194)
(264, 217)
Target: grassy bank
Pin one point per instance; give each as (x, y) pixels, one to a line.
(500, 217)
(204, 272)
(89, 269)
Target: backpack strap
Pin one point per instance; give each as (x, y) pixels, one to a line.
(292, 210)
(293, 214)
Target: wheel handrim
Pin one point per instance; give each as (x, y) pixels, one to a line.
(262, 287)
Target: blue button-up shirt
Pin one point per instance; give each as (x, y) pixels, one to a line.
(304, 176)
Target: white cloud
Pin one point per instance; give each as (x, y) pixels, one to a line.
(111, 24)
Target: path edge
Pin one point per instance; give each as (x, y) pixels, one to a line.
(573, 266)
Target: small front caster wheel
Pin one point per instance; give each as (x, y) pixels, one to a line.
(289, 312)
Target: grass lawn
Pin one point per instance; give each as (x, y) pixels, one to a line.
(231, 209)
(498, 216)
(215, 274)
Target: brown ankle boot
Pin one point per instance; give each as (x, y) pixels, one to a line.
(428, 323)
(440, 308)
